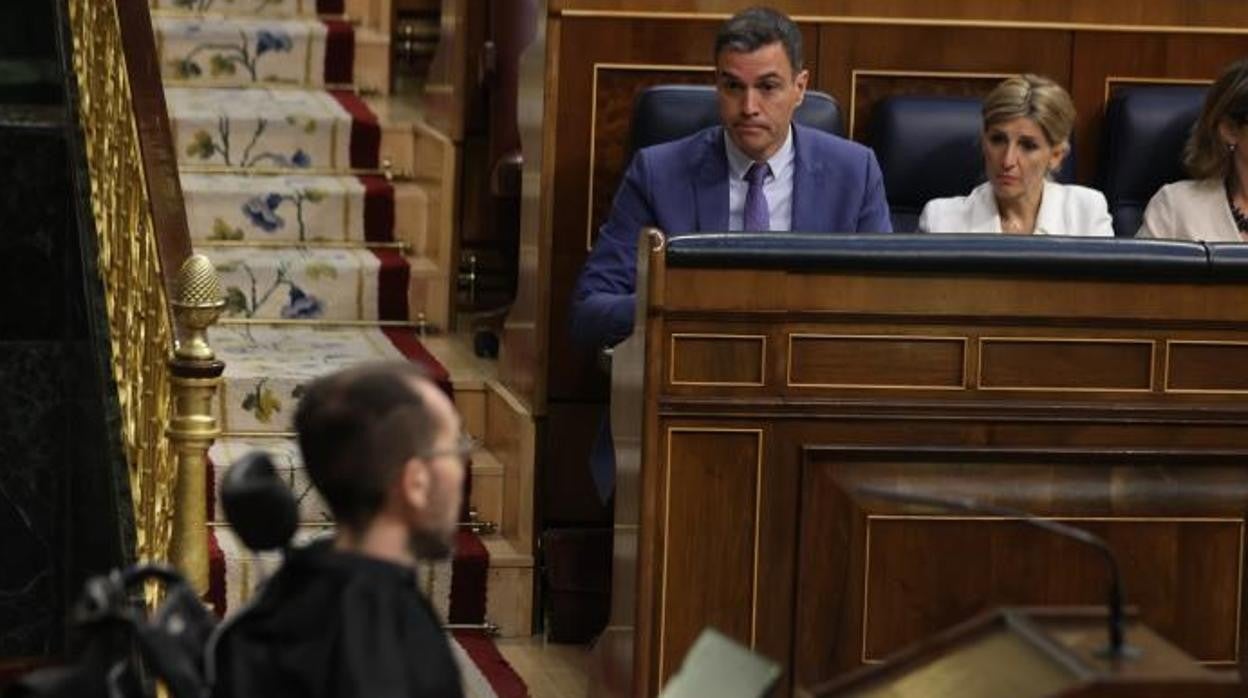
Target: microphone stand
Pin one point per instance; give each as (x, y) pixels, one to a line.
(1117, 648)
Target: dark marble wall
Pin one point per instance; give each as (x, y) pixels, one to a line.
(64, 499)
(28, 55)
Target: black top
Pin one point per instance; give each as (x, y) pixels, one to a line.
(1038, 255)
(332, 624)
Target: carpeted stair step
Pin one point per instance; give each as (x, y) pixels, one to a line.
(237, 571)
(293, 209)
(267, 366)
(246, 51)
(251, 8)
(271, 129)
(309, 284)
(485, 471)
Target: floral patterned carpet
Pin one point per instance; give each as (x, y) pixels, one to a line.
(278, 158)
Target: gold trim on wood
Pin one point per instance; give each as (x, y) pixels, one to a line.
(788, 378)
(1152, 361)
(934, 74)
(1197, 391)
(1239, 585)
(667, 505)
(917, 22)
(593, 125)
(762, 366)
(1110, 80)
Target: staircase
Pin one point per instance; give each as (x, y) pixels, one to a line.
(330, 219)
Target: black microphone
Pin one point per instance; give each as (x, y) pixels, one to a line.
(1117, 649)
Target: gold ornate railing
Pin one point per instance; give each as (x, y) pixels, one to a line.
(165, 387)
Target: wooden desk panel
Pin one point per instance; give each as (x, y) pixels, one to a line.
(1097, 402)
(917, 571)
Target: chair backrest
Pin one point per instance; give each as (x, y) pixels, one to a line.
(668, 112)
(1145, 130)
(928, 148)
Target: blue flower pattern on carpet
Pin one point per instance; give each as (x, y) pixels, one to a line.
(225, 58)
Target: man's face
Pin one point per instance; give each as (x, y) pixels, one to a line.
(758, 93)
(435, 518)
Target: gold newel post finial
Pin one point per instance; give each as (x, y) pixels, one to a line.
(195, 375)
(197, 304)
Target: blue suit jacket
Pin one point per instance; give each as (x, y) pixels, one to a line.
(682, 187)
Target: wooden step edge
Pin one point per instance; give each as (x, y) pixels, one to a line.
(454, 351)
(486, 464)
(503, 554)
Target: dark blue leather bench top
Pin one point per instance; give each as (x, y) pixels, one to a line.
(986, 254)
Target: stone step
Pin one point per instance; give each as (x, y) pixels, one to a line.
(259, 129)
(221, 51)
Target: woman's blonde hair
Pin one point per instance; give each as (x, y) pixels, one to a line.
(1206, 156)
(1034, 97)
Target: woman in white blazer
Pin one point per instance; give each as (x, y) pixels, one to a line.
(1027, 125)
(1214, 205)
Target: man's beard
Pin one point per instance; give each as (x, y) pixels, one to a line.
(430, 545)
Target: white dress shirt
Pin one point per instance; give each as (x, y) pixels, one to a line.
(1065, 209)
(1193, 209)
(777, 187)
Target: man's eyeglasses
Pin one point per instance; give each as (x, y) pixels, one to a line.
(463, 449)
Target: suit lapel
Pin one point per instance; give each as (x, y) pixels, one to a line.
(710, 184)
(807, 184)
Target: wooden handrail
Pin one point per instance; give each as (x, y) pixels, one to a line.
(160, 160)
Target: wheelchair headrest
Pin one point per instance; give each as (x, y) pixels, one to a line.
(259, 506)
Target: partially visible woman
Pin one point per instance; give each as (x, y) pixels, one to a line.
(1026, 135)
(1213, 205)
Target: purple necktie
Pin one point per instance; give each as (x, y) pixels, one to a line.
(757, 216)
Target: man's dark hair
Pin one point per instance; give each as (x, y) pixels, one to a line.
(356, 428)
(751, 29)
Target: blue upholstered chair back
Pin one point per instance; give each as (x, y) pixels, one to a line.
(1145, 130)
(668, 112)
(928, 148)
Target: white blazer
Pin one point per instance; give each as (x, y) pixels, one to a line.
(1194, 209)
(1065, 209)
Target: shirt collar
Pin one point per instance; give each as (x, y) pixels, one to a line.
(1049, 217)
(739, 162)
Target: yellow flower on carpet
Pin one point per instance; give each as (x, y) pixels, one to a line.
(320, 270)
(263, 403)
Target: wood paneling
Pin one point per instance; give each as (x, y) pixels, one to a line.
(861, 64)
(859, 52)
(1101, 443)
(827, 361)
(917, 571)
(1176, 568)
(718, 359)
(1099, 57)
(1125, 13)
(1057, 364)
(616, 87)
(1201, 367)
(710, 550)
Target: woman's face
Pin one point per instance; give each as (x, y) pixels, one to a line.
(1018, 157)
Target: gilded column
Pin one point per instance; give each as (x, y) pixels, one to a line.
(195, 374)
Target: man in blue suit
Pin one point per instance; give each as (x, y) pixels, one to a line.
(757, 171)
